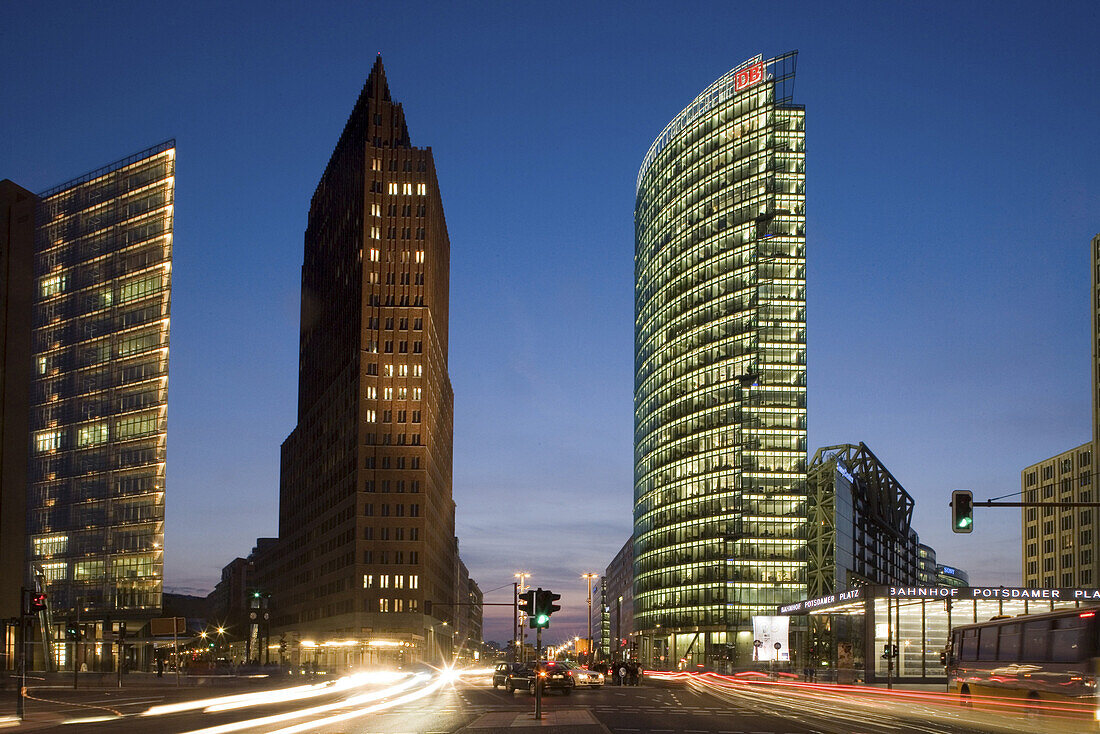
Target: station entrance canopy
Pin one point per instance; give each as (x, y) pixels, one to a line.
(853, 601)
(850, 630)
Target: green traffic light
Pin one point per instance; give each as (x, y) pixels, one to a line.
(542, 619)
(965, 522)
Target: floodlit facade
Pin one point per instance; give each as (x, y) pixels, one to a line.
(99, 399)
(366, 516)
(1060, 544)
(720, 369)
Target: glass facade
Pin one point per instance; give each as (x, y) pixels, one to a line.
(95, 505)
(720, 369)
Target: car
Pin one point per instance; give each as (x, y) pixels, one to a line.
(585, 676)
(501, 672)
(555, 677)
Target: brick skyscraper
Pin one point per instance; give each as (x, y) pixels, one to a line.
(366, 518)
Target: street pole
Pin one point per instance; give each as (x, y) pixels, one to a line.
(76, 648)
(538, 673)
(515, 622)
(889, 649)
(176, 645)
(522, 576)
(591, 656)
(22, 657)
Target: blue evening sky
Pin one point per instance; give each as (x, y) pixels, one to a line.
(953, 152)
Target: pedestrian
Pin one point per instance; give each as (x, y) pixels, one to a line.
(633, 670)
(160, 666)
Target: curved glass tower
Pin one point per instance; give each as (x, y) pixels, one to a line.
(720, 370)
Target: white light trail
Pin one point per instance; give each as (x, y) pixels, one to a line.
(407, 698)
(350, 702)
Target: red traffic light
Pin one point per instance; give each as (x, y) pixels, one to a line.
(37, 602)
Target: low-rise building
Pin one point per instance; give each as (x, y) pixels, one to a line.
(619, 578)
(951, 576)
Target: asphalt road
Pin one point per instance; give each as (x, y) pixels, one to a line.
(435, 706)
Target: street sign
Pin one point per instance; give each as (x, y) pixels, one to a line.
(168, 626)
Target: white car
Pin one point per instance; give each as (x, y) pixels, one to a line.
(583, 677)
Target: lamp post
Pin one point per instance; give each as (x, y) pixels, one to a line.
(521, 633)
(590, 577)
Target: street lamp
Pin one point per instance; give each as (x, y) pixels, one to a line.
(521, 633)
(590, 576)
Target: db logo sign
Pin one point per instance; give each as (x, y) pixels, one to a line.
(748, 77)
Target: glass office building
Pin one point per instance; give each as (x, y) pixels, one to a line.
(720, 369)
(95, 505)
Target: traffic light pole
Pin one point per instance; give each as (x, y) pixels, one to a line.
(994, 503)
(76, 648)
(19, 711)
(538, 673)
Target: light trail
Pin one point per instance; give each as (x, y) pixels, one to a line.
(822, 705)
(408, 698)
(278, 695)
(315, 710)
(445, 676)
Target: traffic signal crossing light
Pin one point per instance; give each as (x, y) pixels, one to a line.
(36, 602)
(962, 511)
(527, 603)
(72, 631)
(544, 606)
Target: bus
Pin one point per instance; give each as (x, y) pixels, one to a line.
(1050, 658)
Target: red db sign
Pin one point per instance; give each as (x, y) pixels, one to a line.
(748, 77)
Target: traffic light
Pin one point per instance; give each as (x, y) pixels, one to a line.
(527, 603)
(36, 603)
(551, 607)
(962, 511)
(71, 631)
(544, 607)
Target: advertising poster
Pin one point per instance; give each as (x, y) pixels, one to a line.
(766, 632)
